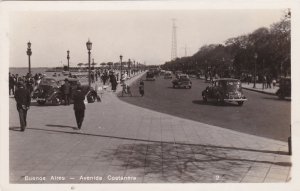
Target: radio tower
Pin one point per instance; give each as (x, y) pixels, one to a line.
(174, 41)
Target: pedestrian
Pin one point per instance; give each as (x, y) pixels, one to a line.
(264, 82)
(22, 97)
(79, 106)
(66, 91)
(269, 81)
(141, 88)
(11, 84)
(274, 82)
(113, 82)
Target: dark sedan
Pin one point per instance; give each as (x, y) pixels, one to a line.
(225, 89)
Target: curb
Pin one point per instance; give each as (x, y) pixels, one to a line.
(129, 82)
(259, 91)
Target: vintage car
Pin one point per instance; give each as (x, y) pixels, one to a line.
(182, 80)
(284, 88)
(50, 90)
(150, 76)
(225, 89)
(168, 75)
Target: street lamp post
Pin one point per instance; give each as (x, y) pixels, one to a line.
(255, 57)
(89, 47)
(129, 67)
(134, 67)
(68, 57)
(29, 53)
(121, 67)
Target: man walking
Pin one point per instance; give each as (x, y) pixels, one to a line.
(22, 97)
(79, 107)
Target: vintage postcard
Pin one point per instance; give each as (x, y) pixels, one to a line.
(149, 94)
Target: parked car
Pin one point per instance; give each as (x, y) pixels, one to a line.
(182, 80)
(284, 88)
(49, 90)
(224, 89)
(150, 76)
(168, 75)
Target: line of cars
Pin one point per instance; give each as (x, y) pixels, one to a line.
(50, 90)
(220, 90)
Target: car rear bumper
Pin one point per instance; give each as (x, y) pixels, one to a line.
(235, 99)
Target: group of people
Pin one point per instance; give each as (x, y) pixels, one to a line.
(22, 87)
(267, 80)
(29, 81)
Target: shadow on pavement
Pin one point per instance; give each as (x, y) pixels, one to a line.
(214, 103)
(15, 128)
(277, 99)
(160, 142)
(35, 104)
(184, 163)
(62, 126)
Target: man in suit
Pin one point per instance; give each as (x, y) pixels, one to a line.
(22, 97)
(66, 91)
(79, 106)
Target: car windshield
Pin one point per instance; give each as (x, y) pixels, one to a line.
(184, 78)
(231, 85)
(48, 81)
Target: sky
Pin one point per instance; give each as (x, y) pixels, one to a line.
(141, 35)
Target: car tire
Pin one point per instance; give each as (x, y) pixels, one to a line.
(220, 101)
(41, 102)
(56, 101)
(91, 98)
(240, 103)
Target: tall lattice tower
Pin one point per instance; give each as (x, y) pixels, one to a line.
(174, 41)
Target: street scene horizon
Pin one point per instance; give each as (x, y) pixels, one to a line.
(169, 98)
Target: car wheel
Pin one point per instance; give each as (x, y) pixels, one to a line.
(281, 96)
(56, 101)
(240, 103)
(91, 99)
(41, 102)
(190, 87)
(220, 101)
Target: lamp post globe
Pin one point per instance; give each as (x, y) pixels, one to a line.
(89, 47)
(29, 53)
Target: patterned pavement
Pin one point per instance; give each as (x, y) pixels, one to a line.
(122, 143)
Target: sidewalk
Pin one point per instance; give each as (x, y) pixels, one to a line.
(258, 88)
(123, 143)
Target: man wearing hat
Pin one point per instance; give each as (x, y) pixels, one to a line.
(66, 91)
(22, 97)
(79, 106)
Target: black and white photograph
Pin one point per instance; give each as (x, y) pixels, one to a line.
(134, 93)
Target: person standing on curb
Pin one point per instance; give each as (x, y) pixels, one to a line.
(141, 88)
(79, 106)
(66, 91)
(22, 97)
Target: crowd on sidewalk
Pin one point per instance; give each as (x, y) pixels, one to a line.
(22, 89)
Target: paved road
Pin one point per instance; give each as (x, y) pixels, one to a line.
(262, 115)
